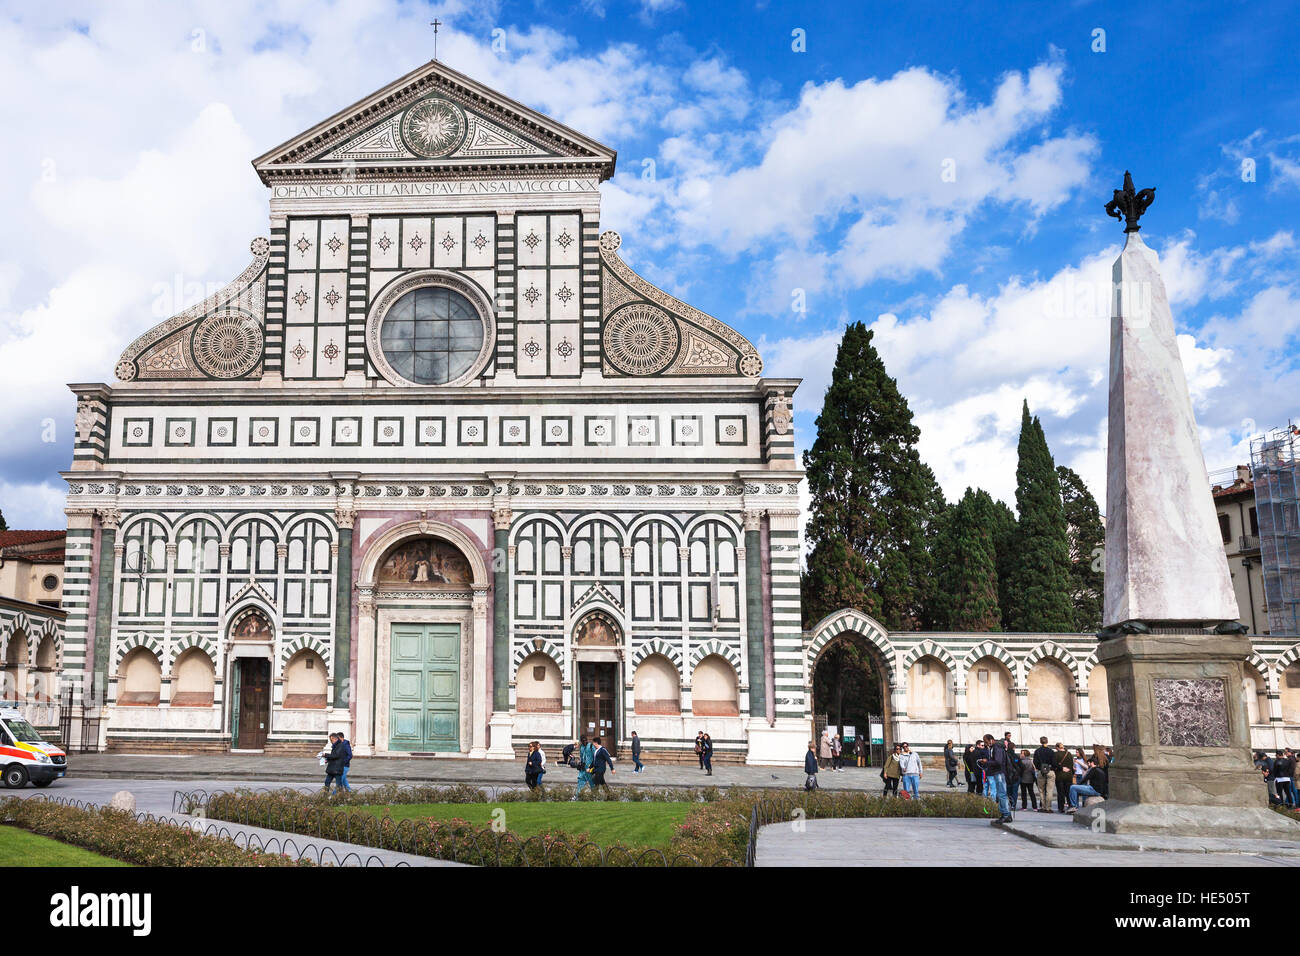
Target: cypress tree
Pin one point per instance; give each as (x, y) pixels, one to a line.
(1004, 536)
(966, 565)
(1040, 570)
(870, 488)
(1087, 537)
(3, 526)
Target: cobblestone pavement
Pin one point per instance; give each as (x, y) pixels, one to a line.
(964, 843)
(261, 770)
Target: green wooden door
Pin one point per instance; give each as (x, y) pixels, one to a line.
(424, 688)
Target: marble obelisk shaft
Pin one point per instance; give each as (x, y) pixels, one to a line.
(1164, 554)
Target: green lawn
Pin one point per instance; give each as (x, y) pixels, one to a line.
(20, 848)
(636, 824)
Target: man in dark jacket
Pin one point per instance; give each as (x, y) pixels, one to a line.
(1045, 766)
(950, 764)
(994, 766)
(978, 756)
(347, 762)
(810, 767)
(334, 761)
(600, 763)
(636, 753)
(1092, 785)
(1064, 761)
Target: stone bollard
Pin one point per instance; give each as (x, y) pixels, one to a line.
(123, 800)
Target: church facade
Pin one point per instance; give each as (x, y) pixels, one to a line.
(438, 469)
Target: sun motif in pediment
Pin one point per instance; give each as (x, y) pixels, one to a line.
(433, 127)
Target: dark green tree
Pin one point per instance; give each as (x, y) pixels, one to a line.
(846, 685)
(837, 577)
(1087, 537)
(1040, 567)
(966, 565)
(870, 488)
(1004, 536)
(3, 526)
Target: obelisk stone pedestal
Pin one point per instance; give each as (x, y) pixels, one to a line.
(1182, 740)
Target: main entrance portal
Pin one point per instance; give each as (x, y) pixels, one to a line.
(424, 688)
(597, 705)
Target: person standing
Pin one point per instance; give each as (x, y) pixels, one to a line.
(995, 774)
(1045, 766)
(601, 762)
(637, 766)
(1283, 771)
(980, 755)
(1264, 764)
(968, 766)
(1028, 793)
(810, 767)
(891, 772)
(837, 752)
(950, 765)
(824, 750)
(1012, 773)
(910, 766)
(706, 755)
(860, 748)
(1064, 776)
(347, 762)
(699, 748)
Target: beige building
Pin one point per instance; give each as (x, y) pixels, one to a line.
(1234, 500)
(31, 622)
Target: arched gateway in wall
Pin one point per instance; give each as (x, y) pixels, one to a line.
(856, 627)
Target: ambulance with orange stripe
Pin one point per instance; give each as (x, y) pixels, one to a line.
(25, 756)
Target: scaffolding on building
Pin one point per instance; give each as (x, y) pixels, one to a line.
(1275, 463)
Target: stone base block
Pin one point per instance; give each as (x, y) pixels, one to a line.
(782, 745)
(500, 730)
(1174, 819)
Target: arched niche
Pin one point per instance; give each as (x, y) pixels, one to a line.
(539, 686)
(657, 687)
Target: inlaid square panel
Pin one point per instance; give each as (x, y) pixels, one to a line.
(417, 247)
(388, 431)
(431, 431)
(688, 430)
(179, 432)
(333, 251)
(346, 430)
(221, 432)
(303, 244)
(304, 431)
(263, 431)
(557, 430)
(642, 430)
(137, 431)
(514, 431)
(731, 430)
(472, 430)
(599, 429)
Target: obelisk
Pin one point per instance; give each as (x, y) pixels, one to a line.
(1171, 641)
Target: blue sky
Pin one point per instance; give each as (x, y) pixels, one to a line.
(936, 171)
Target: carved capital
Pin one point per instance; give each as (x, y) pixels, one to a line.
(740, 553)
(85, 420)
(501, 518)
(510, 552)
(782, 414)
(683, 553)
(170, 548)
(223, 549)
(627, 552)
(566, 552)
(344, 516)
(366, 600)
(753, 519)
(280, 550)
(109, 517)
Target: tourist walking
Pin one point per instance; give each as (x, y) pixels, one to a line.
(810, 767)
(601, 762)
(891, 772)
(586, 758)
(334, 762)
(347, 762)
(533, 765)
(837, 753)
(950, 765)
(1045, 767)
(910, 766)
(824, 750)
(706, 755)
(1028, 793)
(995, 774)
(860, 748)
(637, 765)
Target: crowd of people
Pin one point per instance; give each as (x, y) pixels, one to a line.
(592, 760)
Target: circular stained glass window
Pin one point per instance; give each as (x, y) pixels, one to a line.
(431, 336)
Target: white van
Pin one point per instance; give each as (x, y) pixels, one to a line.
(25, 756)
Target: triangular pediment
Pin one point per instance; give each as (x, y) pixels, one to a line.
(434, 118)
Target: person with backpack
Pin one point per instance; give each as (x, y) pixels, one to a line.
(637, 765)
(586, 759)
(994, 766)
(1045, 766)
(566, 755)
(810, 767)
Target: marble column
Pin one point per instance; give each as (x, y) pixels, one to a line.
(501, 723)
(1173, 650)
